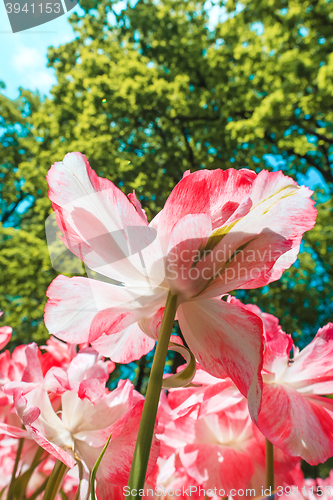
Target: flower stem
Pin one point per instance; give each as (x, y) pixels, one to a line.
(55, 480)
(269, 465)
(22, 481)
(146, 430)
(17, 460)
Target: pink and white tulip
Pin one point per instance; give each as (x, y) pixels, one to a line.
(218, 231)
(294, 416)
(70, 413)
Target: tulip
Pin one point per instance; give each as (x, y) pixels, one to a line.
(294, 414)
(219, 230)
(71, 414)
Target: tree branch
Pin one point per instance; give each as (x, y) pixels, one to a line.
(320, 136)
(189, 149)
(12, 210)
(196, 118)
(327, 174)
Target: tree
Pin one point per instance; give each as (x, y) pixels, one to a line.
(151, 92)
(15, 131)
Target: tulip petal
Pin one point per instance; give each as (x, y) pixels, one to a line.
(44, 421)
(115, 467)
(12, 431)
(187, 240)
(216, 193)
(213, 398)
(239, 258)
(270, 212)
(100, 225)
(228, 467)
(56, 380)
(226, 339)
(33, 371)
(81, 310)
(300, 426)
(133, 199)
(125, 346)
(286, 209)
(5, 335)
(312, 369)
(151, 325)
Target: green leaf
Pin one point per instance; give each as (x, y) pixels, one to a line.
(185, 376)
(95, 468)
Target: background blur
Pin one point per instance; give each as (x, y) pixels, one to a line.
(148, 90)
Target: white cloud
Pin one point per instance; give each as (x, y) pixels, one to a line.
(28, 58)
(30, 63)
(41, 80)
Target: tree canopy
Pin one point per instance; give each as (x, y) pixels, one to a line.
(159, 88)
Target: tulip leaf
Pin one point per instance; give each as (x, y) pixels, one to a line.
(185, 376)
(95, 468)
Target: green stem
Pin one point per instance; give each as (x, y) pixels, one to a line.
(269, 465)
(55, 480)
(38, 457)
(146, 430)
(17, 459)
(21, 482)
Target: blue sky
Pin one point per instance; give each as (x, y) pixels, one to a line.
(23, 55)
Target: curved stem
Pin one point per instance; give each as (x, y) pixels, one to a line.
(146, 430)
(269, 465)
(55, 480)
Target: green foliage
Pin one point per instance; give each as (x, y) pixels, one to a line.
(151, 92)
(25, 275)
(14, 134)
